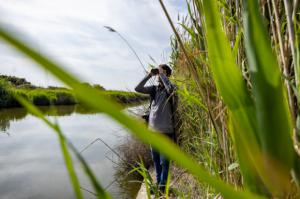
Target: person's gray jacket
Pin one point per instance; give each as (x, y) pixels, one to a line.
(161, 112)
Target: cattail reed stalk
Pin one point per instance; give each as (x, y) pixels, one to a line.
(130, 47)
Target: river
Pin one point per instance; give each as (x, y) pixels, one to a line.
(32, 166)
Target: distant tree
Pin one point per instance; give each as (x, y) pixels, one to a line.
(97, 86)
(15, 81)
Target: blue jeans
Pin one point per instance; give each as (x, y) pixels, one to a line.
(161, 164)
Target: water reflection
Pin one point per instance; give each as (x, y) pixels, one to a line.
(7, 115)
(15, 114)
(31, 162)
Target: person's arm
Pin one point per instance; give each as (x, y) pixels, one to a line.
(141, 88)
(165, 80)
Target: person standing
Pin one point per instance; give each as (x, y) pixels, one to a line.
(160, 116)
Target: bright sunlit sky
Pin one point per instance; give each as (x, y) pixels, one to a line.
(71, 32)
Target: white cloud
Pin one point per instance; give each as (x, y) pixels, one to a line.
(72, 32)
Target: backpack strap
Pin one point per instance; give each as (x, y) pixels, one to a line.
(145, 116)
(152, 95)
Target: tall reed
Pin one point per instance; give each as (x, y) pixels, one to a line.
(229, 42)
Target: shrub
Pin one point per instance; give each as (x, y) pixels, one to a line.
(64, 98)
(16, 81)
(132, 152)
(97, 86)
(5, 94)
(40, 99)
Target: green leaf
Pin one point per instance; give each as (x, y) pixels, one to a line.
(237, 43)
(232, 87)
(273, 116)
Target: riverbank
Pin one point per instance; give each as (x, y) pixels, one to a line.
(10, 86)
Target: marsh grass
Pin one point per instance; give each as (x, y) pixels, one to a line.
(232, 59)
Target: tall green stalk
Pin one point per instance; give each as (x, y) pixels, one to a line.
(260, 121)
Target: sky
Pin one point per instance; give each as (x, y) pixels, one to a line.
(71, 32)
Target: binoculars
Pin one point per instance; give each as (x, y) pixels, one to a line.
(154, 71)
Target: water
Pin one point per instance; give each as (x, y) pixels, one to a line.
(31, 161)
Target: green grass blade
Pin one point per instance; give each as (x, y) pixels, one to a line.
(96, 100)
(232, 87)
(190, 98)
(237, 43)
(227, 74)
(258, 119)
(167, 191)
(190, 31)
(64, 142)
(273, 116)
(147, 181)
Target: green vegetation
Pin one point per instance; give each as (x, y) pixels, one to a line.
(10, 86)
(6, 98)
(236, 111)
(125, 96)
